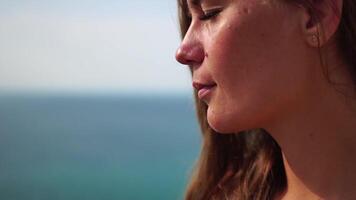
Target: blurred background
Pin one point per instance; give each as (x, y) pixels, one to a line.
(92, 103)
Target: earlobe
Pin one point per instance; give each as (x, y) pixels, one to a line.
(310, 26)
(320, 22)
(314, 39)
(315, 36)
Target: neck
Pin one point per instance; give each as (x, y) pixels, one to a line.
(319, 148)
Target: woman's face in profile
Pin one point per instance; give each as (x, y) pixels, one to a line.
(251, 55)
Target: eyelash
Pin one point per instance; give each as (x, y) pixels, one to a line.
(209, 14)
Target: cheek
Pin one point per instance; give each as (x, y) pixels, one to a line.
(256, 51)
(258, 75)
(239, 63)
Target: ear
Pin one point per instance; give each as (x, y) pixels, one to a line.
(320, 21)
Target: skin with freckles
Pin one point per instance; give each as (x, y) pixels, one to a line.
(246, 50)
(268, 74)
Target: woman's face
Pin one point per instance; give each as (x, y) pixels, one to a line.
(248, 61)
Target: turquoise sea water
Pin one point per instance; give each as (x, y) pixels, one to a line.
(96, 147)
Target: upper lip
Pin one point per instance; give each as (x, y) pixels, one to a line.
(199, 85)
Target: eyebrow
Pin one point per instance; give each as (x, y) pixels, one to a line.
(195, 2)
(192, 3)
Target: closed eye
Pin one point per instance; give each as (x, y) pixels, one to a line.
(209, 14)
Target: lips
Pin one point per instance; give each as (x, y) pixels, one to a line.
(203, 88)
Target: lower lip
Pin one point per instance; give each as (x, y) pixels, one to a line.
(205, 91)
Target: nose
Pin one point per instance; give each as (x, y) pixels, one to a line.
(190, 54)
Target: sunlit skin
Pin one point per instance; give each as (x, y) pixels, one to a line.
(267, 71)
(245, 50)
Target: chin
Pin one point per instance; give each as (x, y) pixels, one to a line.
(230, 122)
(221, 123)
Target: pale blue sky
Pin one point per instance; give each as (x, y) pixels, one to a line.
(90, 45)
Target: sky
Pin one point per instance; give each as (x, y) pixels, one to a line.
(90, 45)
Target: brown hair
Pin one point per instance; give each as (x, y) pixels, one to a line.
(249, 165)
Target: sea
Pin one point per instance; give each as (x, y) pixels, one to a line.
(96, 147)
